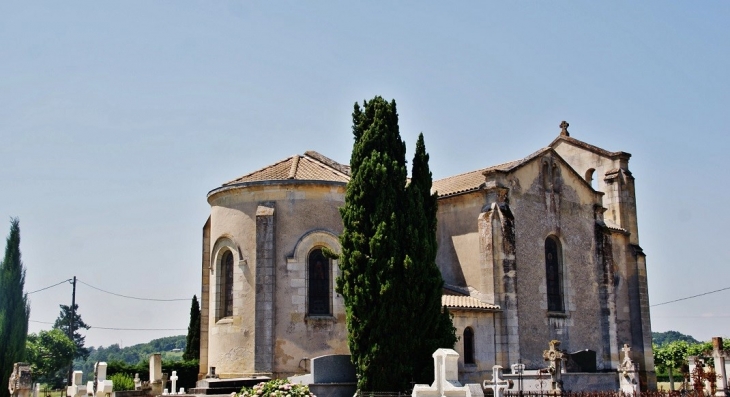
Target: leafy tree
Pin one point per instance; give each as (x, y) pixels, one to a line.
(14, 307)
(63, 323)
(381, 265)
(671, 356)
(48, 353)
(192, 344)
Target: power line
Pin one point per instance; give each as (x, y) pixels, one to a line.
(690, 297)
(133, 297)
(121, 329)
(51, 286)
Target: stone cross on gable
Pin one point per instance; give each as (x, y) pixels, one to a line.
(564, 128)
(173, 379)
(497, 384)
(555, 356)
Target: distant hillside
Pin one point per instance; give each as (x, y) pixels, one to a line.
(134, 354)
(661, 338)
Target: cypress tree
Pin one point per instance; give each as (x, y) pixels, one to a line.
(380, 263)
(431, 326)
(14, 307)
(192, 345)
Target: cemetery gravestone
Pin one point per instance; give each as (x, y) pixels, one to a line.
(446, 377)
(555, 356)
(77, 388)
(156, 374)
(719, 357)
(628, 374)
(173, 379)
(497, 384)
(20, 382)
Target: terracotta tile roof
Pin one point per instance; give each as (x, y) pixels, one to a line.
(613, 226)
(312, 166)
(466, 302)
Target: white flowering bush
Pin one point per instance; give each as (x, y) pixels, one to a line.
(276, 388)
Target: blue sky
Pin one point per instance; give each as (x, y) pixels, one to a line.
(116, 119)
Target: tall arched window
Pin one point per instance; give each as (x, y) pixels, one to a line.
(318, 275)
(554, 274)
(468, 346)
(226, 285)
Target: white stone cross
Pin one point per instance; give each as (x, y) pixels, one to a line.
(137, 382)
(446, 377)
(497, 384)
(173, 379)
(77, 388)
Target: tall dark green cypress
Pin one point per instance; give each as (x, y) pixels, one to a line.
(14, 307)
(192, 342)
(431, 326)
(380, 265)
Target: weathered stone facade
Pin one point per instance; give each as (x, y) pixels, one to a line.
(539, 249)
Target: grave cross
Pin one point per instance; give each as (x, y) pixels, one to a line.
(497, 384)
(77, 388)
(173, 379)
(556, 357)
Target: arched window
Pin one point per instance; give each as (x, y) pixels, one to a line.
(226, 285)
(468, 346)
(318, 276)
(554, 274)
(589, 177)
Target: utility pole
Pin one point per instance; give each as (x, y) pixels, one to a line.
(71, 324)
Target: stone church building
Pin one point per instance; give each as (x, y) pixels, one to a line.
(542, 248)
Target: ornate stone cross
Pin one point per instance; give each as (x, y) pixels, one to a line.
(564, 128)
(555, 356)
(628, 381)
(497, 384)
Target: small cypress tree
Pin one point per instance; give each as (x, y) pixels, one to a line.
(14, 307)
(192, 344)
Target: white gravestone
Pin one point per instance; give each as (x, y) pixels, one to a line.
(628, 374)
(156, 383)
(77, 388)
(497, 384)
(137, 382)
(446, 377)
(173, 379)
(101, 386)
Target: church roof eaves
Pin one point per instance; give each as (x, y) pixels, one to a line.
(589, 147)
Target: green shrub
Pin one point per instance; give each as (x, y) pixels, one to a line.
(122, 382)
(276, 388)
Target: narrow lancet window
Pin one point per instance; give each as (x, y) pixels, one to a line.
(468, 346)
(554, 274)
(318, 272)
(227, 284)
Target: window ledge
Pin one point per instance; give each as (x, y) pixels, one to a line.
(225, 320)
(320, 318)
(558, 314)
